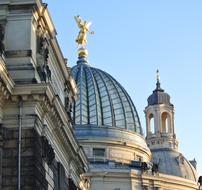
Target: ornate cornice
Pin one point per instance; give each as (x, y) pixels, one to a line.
(52, 106)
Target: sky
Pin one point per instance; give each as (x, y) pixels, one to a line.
(134, 38)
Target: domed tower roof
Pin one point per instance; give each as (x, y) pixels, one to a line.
(102, 101)
(158, 96)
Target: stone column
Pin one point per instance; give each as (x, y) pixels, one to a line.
(157, 120)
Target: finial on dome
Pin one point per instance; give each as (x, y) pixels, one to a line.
(82, 52)
(82, 55)
(158, 84)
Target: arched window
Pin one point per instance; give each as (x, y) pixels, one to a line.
(151, 123)
(165, 122)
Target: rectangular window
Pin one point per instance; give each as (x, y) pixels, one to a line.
(99, 152)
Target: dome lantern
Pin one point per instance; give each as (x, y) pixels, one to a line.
(161, 137)
(160, 119)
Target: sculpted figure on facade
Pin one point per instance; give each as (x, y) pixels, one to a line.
(44, 70)
(68, 103)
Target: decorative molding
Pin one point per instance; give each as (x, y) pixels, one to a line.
(53, 107)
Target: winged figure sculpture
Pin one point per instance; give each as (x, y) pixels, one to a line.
(84, 29)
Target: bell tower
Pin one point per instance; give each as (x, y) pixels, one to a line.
(159, 115)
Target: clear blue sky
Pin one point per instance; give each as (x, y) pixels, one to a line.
(135, 37)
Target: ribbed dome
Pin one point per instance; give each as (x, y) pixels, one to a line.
(102, 101)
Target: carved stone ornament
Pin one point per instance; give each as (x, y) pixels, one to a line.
(43, 68)
(68, 105)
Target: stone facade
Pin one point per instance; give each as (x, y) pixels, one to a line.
(37, 145)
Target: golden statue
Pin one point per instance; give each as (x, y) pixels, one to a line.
(84, 29)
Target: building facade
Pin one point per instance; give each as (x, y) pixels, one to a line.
(77, 128)
(108, 128)
(37, 145)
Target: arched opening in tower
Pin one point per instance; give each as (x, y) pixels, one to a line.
(151, 124)
(165, 119)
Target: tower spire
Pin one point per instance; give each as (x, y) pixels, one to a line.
(158, 84)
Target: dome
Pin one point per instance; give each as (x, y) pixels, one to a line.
(172, 162)
(106, 123)
(158, 96)
(102, 101)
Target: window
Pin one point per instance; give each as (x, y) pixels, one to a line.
(99, 152)
(151, 124)
(165, 122)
